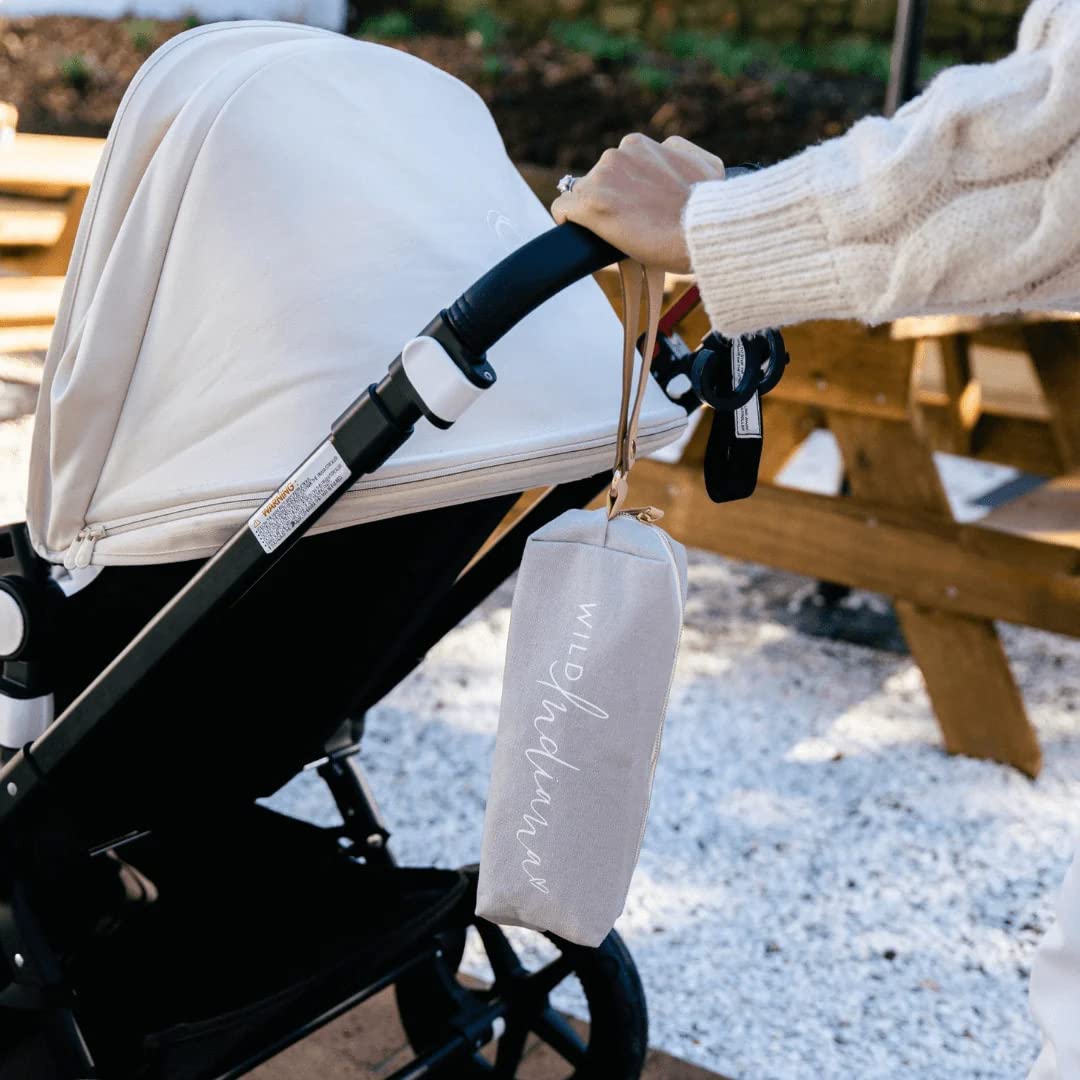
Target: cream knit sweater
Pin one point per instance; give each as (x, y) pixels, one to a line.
(967, 200)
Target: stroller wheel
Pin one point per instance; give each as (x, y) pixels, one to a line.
(436, 1003)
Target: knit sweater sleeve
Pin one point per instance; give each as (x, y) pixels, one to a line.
(966, 201)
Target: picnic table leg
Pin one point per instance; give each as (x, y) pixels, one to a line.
(1055, 351)
(968, 678)
(963, 391)
(971, 687)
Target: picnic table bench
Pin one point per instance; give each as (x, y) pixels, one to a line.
(1004, 390)
(44, 181)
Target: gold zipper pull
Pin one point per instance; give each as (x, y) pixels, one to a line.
(650, 515)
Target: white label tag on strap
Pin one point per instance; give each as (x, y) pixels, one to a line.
(748, 418)
(303, 493)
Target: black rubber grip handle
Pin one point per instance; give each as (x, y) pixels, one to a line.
(496, 303)
(538, 270)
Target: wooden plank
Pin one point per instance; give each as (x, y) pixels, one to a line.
(1050, 512)
(49, 161)
(887, 462)
(971, 687)
(54, 260)
(844, 366)
(1007, 380)
(1024, 444)
(24, 339)
(917, 557)
(1055, 349)
(961, 392)
(27, 222)
(29, 301)
(928, 326)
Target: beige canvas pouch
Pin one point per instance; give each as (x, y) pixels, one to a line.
(594, 634)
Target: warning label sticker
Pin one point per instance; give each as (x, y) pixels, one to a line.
(299, 497)
(748, 418)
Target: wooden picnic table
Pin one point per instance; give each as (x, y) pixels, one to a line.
(34, 164)
(997, 389)
(44, 181)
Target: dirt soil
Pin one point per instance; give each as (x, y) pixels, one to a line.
(555, 108)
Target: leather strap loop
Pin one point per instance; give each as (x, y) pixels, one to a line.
(634, 279)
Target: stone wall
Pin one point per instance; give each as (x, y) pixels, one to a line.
(969, 29)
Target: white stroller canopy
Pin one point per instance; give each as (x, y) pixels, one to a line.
(277, 211)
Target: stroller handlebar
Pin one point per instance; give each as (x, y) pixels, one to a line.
(525, 279)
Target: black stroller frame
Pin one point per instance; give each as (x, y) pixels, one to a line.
(446, 1023)
(366, 434)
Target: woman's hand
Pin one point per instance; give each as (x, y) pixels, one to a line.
(634, 197)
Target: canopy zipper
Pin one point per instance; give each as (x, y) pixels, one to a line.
(81, 550)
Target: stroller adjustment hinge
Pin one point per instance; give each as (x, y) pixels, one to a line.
(446, 376)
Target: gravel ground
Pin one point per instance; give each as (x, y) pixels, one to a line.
(822, 892)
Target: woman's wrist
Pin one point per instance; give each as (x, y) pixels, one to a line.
(759, 249)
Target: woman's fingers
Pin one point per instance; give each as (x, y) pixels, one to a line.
(702, 164)
(585, 199)
(634, 196)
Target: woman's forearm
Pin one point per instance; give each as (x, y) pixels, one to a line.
(968, 200)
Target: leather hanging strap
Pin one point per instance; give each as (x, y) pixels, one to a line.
(634, 280)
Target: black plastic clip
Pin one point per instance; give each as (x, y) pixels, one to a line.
(726, 373)
(731, 375)
(672, 361)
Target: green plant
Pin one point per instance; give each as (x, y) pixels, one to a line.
(389, 25)
(190, 22)
(75, 71)
(587, 37)
(797, 57)
(930, 66)
(730, 56)
(854, 56)
(143, 34)
(654, 79)
(492, 67)
(487, 27)
(734, 56)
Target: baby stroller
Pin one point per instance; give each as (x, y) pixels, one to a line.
(277, 209)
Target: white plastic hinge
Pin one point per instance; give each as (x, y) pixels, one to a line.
(22, 720)
(443, 387)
